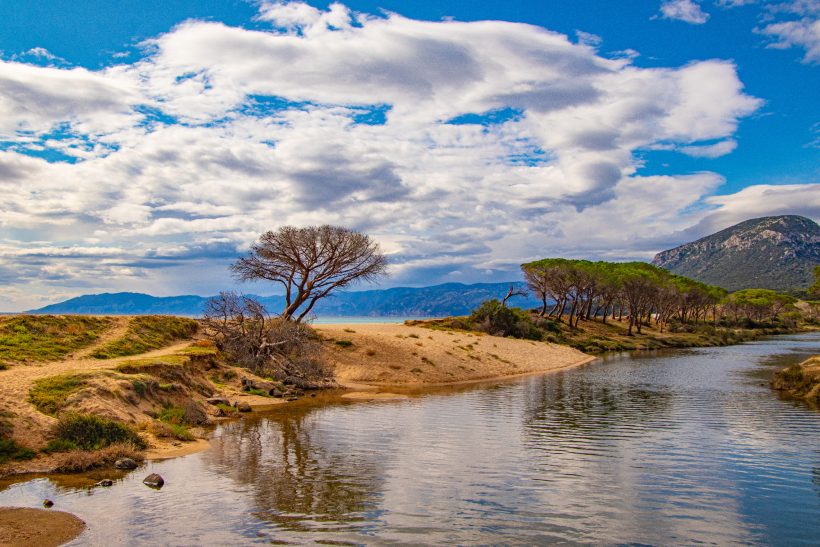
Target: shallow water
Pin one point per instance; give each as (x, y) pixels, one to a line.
(676, 447)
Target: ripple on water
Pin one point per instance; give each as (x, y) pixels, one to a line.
(675, 447)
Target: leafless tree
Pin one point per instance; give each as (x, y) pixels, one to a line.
(272, 347)
(310, 263)
(512, 292)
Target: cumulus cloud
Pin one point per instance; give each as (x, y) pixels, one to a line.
(464, 148)
(684, 10)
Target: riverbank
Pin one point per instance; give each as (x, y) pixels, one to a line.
(596, 337)
(801, 381)
(365, 355)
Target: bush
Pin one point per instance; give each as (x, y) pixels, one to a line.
(90, 432)
(10, 450)
(494, 318)
(60, 445)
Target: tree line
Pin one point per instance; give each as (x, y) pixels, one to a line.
(640, 292)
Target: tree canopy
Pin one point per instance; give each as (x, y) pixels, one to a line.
(310, 263)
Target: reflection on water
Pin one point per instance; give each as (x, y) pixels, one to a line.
(674, 447)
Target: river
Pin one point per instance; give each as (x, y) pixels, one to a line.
(682, 446)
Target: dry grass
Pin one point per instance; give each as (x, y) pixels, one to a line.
(38, 338)
(80, 460)
(146, 333)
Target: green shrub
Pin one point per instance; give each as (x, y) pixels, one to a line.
(172, 415)
(10, 450)
(344, 343)
(60, 445)
(494, 318)
(147, 333)
(48, 395)
(90, 432)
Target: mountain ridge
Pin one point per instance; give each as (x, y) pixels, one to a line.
(777, 252)
(433, 301)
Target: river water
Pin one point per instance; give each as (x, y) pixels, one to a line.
(685, 446)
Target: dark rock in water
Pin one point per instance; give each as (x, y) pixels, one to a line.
(48, 504)
(105, 482)
(154, 481)
(244, 407)
(125, 463)
(217, 413)
(218, 401)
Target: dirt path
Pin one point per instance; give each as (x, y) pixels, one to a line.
(16, 382)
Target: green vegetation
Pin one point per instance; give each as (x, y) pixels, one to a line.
(802, 380)
(9, 449)
(605, 306)
(89, 432)
(344, 343)
(49, 395)
(146, 333)
(26, 338)
(172, 422)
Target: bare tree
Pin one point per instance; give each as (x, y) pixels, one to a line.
(284, 350)
(512, 292)
(310, 263)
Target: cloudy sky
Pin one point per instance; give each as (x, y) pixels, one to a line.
(143, 147)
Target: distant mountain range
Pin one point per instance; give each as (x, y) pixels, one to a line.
(767, 253)
(435, 301)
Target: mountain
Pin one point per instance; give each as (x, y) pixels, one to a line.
(435, 301)
(767, 253)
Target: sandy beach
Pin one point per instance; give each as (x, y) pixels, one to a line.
(367, 355)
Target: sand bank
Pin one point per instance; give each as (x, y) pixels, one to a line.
(24, 527)
(393, 354)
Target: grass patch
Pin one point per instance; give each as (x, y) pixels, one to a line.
(259, 392)
(140, 366)
(344, 343)
(146, 333)
(11, 451)
(90, 432)
(60, 445)
(48, 395)
(37, 338)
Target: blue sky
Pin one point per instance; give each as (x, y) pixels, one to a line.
(145, 145)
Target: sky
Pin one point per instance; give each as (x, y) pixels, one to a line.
(145, 145)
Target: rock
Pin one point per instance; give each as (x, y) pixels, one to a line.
(244, 407)
(176, 443)
(125, 463)
(154, 481)
(217, 412)
(218, 401)
(290, 399)
(105, 482)
(48, 504)
(278, 394)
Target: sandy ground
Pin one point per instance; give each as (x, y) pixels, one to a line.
(16, 382)
(27, 527)
(400, 355)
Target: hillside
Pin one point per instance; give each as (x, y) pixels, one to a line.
(770, 253)
(435, 301)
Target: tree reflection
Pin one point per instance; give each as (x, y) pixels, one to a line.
(301, 478)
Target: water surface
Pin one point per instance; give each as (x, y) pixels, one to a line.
(684, 446)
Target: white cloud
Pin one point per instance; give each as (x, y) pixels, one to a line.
(803, 33)
(684, 10)
(217, 133)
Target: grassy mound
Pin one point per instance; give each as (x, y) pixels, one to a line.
(87, 432)
(25, 338)
(146, 333)
(49, 395)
